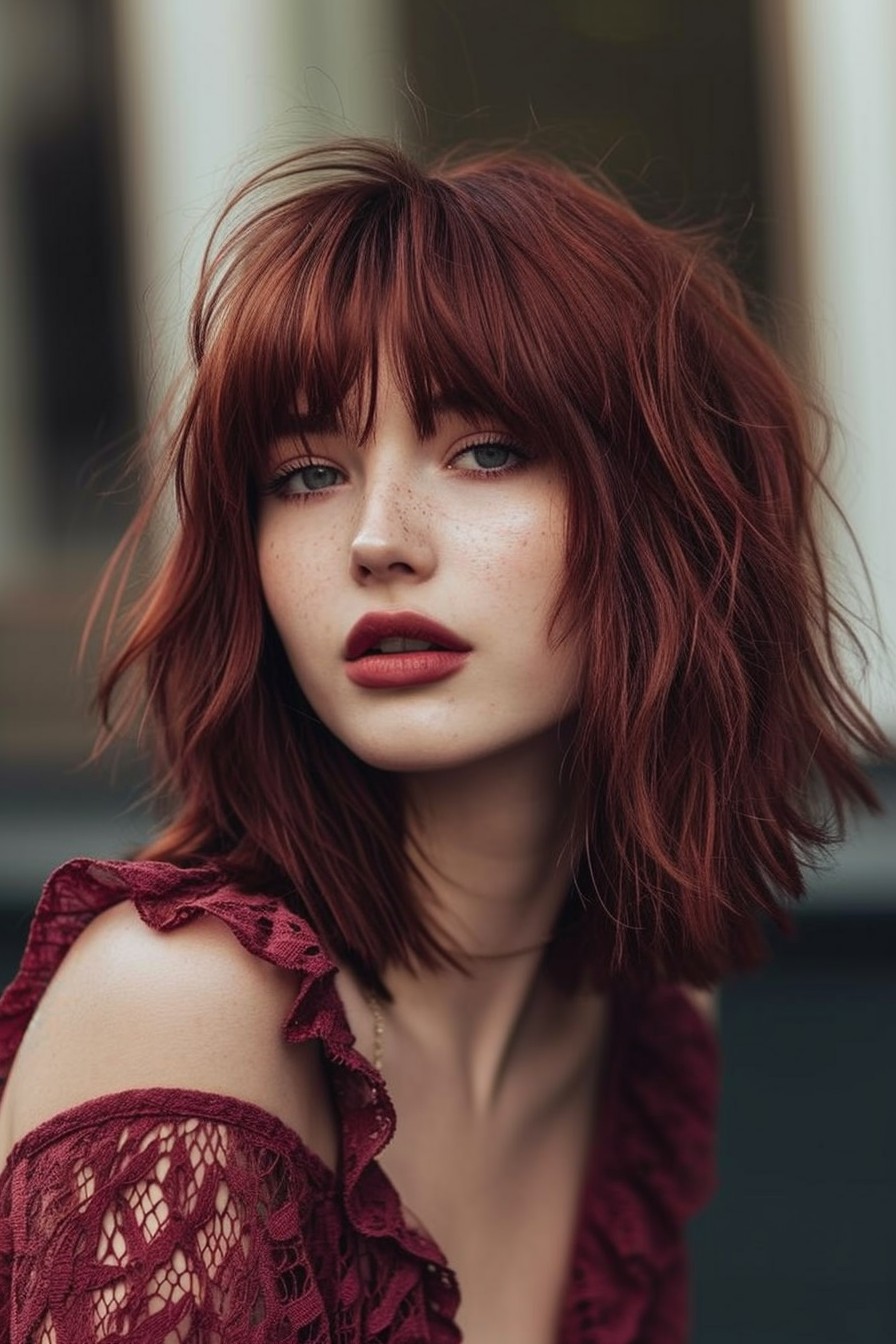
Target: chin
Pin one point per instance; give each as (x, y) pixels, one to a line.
(414, 753)
(411, 759)
(410, 742)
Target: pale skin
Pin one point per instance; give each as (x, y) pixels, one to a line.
(494, 1073)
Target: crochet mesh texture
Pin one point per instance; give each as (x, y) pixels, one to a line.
(164, 1216)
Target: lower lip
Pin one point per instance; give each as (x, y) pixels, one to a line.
(382, 670)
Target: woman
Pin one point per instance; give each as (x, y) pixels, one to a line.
(492, 679)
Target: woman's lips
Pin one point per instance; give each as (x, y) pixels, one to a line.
(367, 665)
(419, 668)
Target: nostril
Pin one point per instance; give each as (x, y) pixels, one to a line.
(369, 568)
(391, 558)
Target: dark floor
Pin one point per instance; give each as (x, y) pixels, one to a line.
(798, 1246)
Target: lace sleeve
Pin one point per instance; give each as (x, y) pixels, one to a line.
(160, 1231)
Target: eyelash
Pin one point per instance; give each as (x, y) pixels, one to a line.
(278, 483)
(521, 459)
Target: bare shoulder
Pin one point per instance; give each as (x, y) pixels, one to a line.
(130, 1008)
(706, 1001)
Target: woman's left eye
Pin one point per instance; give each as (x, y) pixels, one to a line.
(491, 457)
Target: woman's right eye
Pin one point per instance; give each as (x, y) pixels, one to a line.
(306, 480)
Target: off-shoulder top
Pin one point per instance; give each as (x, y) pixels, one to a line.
(165, 1215)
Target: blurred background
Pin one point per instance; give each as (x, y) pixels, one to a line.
(123, 123)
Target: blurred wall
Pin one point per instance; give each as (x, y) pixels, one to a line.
(211, 90)
(829, 118)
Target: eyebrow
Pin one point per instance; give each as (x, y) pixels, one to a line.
(455, 403)
(463, 406)
(448, 401)
(303, 424)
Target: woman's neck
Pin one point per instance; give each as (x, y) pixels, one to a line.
(491, 844)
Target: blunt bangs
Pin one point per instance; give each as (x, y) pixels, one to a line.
(449, 277)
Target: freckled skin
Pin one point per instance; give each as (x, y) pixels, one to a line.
(406, 525)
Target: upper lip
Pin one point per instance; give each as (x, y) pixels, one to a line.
(378, 625)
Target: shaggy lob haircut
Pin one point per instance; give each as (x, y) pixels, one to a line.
(715, 712)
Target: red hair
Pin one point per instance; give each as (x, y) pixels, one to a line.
(715, 708)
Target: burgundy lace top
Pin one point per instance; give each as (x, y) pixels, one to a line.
(168, 1215)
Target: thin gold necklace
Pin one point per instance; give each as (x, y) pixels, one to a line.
(376, 1012)
(376, 1006)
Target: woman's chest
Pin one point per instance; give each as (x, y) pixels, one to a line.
(504, 1210)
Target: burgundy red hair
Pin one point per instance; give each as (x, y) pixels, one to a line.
(717, 719)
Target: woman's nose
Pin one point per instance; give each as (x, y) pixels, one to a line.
(393, 537)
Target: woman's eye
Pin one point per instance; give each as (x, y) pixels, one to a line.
(489, 457)
(306, 480)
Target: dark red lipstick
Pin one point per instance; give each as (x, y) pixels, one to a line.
(375, 659)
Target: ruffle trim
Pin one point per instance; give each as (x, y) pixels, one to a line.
(653, 1165)
(167, 897)
(654, 1171)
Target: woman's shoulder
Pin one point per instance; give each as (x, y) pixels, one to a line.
(146, 976)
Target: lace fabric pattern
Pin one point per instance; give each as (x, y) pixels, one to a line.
(164, 1216)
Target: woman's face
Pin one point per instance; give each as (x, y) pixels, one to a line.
(360, 547)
